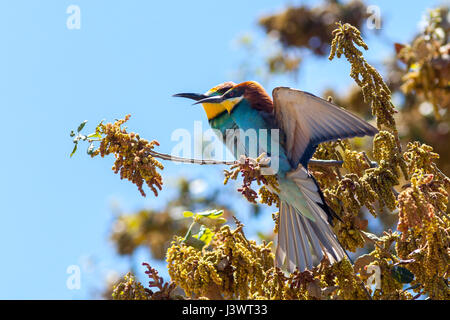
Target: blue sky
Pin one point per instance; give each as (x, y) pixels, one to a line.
(128, 57)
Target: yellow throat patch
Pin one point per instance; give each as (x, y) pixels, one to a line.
(213, 109)
(230, 103)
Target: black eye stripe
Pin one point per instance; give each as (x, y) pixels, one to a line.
(222, 91)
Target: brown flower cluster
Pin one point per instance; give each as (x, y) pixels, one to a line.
(165, 289)
(251, 170)
(296, 26)
(134, 160)
(428, 62)
(425, 224)
(231, 267)
(421, 202)
(131, 289)
(324, 282)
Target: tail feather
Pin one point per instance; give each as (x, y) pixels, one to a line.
(313, 239)
(281, 252)
(304, 254)
(302, 242)
(294, 245)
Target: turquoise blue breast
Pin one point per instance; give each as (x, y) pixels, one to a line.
(248, 118)
(223, 123)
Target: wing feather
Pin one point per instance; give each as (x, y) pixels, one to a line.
(308, 120)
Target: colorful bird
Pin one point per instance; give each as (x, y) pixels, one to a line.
(303, 121)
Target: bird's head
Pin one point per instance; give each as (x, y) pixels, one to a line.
(212, 110)
(250, 91)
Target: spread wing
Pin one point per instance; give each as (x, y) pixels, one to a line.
(308, 120)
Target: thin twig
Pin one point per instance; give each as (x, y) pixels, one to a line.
(189, 160)
(163, 156)
(326, 163)
(372, 164)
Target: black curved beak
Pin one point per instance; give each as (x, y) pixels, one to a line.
(193, 96)
(213, 99)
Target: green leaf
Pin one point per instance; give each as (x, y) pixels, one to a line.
(214, 222)
(220, 220)
(187, 214)
(401, 274)
(95, 135)
(81, 126)
(205, 235)
(74, 149)
(212, 214)
(72, 134)
(194, 242)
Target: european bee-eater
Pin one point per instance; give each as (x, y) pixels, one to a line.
(304, 120)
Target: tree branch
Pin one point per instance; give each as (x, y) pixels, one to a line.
(312, 162)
